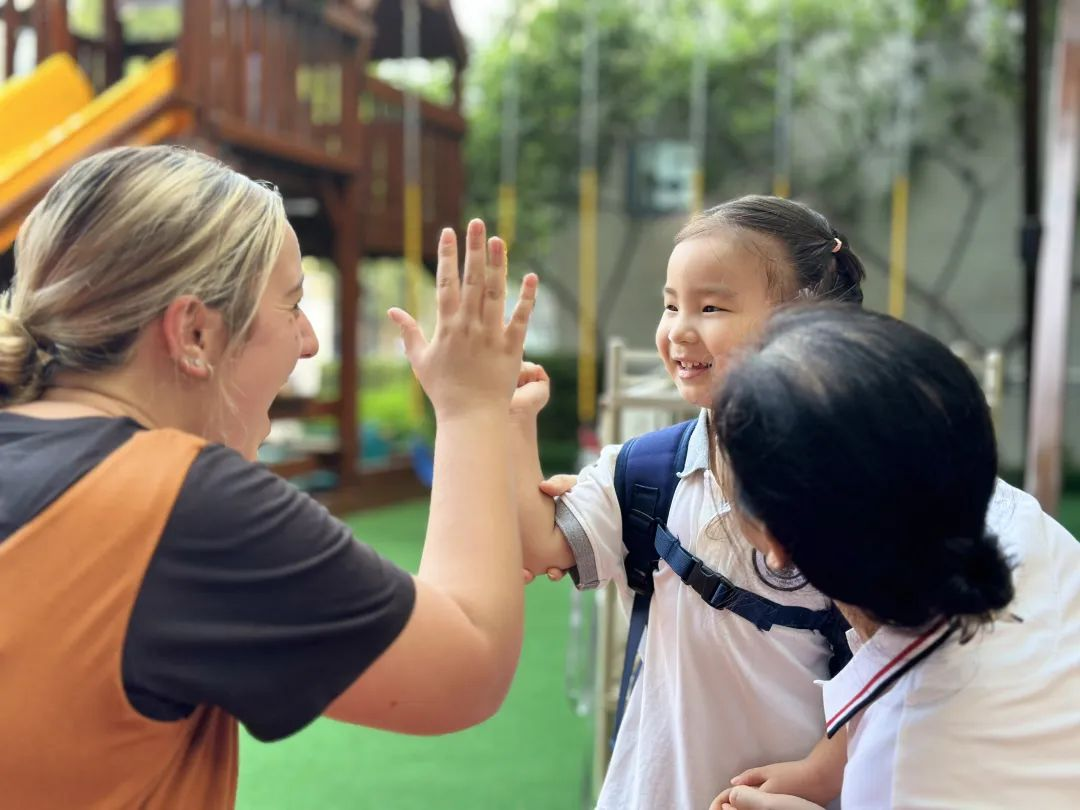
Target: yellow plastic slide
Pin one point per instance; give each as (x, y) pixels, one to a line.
(59, 123)
(32, 105)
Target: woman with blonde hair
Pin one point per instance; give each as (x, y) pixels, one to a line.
(156, 585)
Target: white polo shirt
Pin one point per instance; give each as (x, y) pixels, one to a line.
(993, 723)
(715, 695)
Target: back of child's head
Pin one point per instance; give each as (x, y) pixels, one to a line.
(867, 450)
(820, 262)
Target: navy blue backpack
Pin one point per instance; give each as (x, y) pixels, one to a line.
(645, 480)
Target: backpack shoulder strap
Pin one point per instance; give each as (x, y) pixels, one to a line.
(835, 631)
(645, 480)
(646, 474)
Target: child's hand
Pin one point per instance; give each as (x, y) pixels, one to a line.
(798, 778)
(555, 486)
(750, 798)
(558, 485)
(473, 359)
(554, 574)
(533, 391)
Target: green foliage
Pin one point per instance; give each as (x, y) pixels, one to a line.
(548, 55)
(141, 24)
(391, 407)
(388, 406)
(846, 87)
(558, 422)
(384, 401)
(86, 18)
(432, 81)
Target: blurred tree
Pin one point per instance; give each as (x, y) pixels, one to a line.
(845, 91)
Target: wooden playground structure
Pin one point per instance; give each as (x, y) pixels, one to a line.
(279, 89)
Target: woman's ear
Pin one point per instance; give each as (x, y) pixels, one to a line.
(191, 333)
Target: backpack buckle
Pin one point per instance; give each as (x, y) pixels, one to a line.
(713, 587)
(640, 581)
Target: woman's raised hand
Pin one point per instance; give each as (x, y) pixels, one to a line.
(473, 359)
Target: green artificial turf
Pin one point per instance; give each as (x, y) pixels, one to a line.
(531, 756)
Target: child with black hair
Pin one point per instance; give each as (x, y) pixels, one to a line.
(716, 691)
(861, 450)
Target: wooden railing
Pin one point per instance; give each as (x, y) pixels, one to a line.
(286, 78)
(45, 23)
(442, 171)
(281, 76)
(17, 24)
(283, 86)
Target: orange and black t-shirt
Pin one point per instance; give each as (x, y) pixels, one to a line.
(251, 600)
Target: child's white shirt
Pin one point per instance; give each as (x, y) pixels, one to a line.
(715, 695)
(988, 724)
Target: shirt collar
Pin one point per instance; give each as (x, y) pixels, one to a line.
(697, 451)
(875, 666)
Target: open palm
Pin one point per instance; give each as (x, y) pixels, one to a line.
(473, 358)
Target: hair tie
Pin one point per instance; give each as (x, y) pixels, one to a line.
(45, 349)
(838, 244)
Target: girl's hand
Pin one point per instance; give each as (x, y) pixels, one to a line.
(798, 778)
(558, 484)
(750, 798)
(533, 391)
(555, 486)
(808, 778)
(473, 359)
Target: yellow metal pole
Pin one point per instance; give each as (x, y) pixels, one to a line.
(785, 69)
(507, 214)
(699, 111)
(587, 215)
(414, 249)
(898, 238)
(508, 161)
(697, 200)
(898, 232)
(587, 298)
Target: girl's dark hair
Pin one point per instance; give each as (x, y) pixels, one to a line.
(866, 448)
(805, 235)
